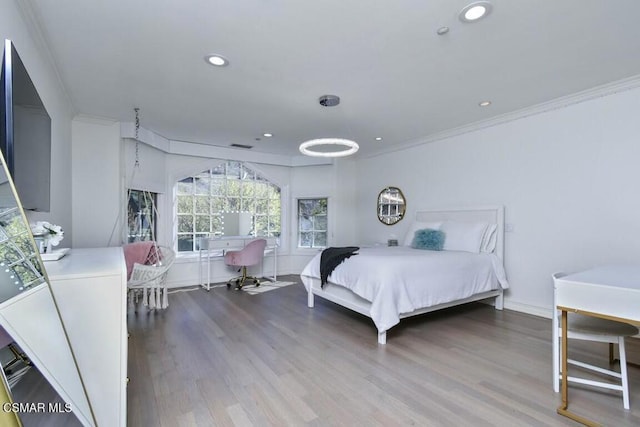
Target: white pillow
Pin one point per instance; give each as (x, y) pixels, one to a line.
(418, 225)
(489, 239)
(463, 236)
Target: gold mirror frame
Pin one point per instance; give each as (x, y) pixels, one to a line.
(23, 279)
(391, 205)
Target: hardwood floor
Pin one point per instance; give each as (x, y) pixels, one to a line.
(228, 358)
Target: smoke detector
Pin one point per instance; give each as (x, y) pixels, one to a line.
(329, 100)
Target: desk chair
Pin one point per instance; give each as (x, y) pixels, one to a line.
(588, 328)
(251, 254)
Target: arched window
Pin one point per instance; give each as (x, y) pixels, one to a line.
(201, 200)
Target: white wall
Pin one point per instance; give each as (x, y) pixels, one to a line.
(568, 178)
(14, 25)
(97, 183)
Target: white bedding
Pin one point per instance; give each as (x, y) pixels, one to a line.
(401, 279)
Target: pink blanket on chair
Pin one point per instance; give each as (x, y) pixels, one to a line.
(140, 252)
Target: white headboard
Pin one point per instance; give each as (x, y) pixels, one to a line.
(490, 214)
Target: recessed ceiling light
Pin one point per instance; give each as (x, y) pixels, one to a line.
(217, 60)
(378, 138)
(484, 103)
(474, 11)
(267, 135)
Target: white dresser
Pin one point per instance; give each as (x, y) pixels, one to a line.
(90, 287)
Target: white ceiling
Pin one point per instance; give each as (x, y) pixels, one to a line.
(397, 78)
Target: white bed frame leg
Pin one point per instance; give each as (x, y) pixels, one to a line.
(310, 297)
(382, 337)
(500, 301)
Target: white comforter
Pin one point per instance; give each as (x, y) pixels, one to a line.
(401, 279)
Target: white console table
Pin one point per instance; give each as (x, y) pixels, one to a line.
(217, 246)
(90, 287)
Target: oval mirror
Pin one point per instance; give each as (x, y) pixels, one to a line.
(391, 205)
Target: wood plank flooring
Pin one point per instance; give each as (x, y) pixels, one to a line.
(226, 358)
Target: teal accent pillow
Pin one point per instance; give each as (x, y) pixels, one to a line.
(429, 239)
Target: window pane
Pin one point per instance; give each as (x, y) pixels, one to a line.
(233, 204)
(218, 204)
(185, 204)
(261, 224)
(218, 186)
(202, 205)
(216, 225)
(248, 174)
(185, 186)
(185, 223)
(199, 237)
(219, 170)
(306, 224)
(320, 223)
(202, 184)
(319, 239)
(203, 224)
(261, 190)
(273, 192)
(305, 240)
(249, 205)
(233, 188)
(305, 207)
(248, 189)
(185, 243)
(234, 170)
(261, 206)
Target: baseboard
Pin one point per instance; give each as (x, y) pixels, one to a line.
(527, 309)
(182, 283)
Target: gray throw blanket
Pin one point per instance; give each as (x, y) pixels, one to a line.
(331, 258)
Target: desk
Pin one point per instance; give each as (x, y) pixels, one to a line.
(610, 292)
(217, 246)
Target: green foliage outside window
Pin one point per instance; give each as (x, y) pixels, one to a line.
(230, 187)
(312, 223)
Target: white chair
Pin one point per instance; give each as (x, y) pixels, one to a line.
(588, 328)
(150, 280)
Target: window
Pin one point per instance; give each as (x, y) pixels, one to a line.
(312, 223)
(231, 187)
(141, 216)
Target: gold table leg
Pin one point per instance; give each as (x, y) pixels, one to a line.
(563, 409)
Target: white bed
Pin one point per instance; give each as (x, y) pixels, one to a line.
(391, 283)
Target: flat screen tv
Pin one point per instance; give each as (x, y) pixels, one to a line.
(25, 137)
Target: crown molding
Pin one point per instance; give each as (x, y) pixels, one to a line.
(33, 21)
(597, 92)
(187, 148)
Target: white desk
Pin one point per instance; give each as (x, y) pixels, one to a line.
(217, 246)
(610, 292)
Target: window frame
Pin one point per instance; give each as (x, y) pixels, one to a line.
(153, 230)
(298, 223)
(222, 197)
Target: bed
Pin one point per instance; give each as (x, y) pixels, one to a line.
(388, 284)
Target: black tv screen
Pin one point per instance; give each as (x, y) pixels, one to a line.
(25, 133)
